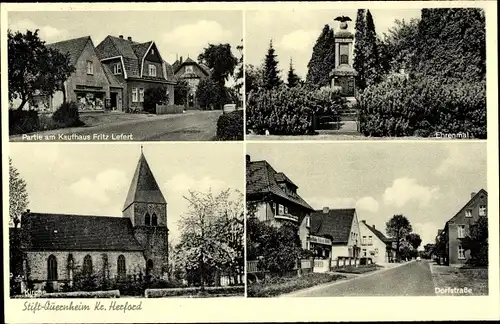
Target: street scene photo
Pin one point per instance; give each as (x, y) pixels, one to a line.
(145, 76)
(365, 74)
(122, 220)
(370, 219)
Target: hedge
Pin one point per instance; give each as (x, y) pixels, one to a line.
(82, 294)
(230, 126)
(67, 115)
(423, 106)
(289, 111)
(195, 292)
(23, 121)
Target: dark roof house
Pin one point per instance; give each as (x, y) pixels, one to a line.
(73, 47)
(333, 223)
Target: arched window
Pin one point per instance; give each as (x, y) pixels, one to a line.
(52, 268)
(105, 266)
(154, 220)
(147, 220)
(87, 265)
(122, 268)
(71, 261)
(149, 267)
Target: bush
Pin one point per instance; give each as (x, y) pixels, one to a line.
(154, 96)
(83, 294)
(67, 115)
(359, 269)
(230, 126)
(195, 292)
(423, 106)
(23, 121)
(289, 111)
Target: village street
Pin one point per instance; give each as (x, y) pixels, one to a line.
(410, 279)
(191, 126)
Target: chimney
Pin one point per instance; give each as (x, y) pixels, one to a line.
(180, 60)
(247, 158)
(373, 226)
(326, 210)
(363, 221)
(129, 38)
(28, 211)
(472, 194)
(121, 36)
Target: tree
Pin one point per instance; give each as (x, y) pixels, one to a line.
(372, 66)
(254, 78)
(220, 59)
(180, 92)
(239, 75)
(398, 227)
(153, 96)
(211, 94)
(414, 240)
(477, 242)
(322, 60)
(359, 51)
(399, 48)
(293, 79)
(18, 195)
(209, 236)
(271, 76)
(34, 68)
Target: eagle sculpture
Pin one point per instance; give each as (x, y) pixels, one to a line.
(343, 18)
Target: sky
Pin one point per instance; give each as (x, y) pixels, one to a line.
(294, 33)
(93, 179)
(427, 182)
(176, 33)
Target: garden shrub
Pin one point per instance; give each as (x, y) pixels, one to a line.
(230, 126)
(83, 294)
(67, 115)
(23, 121)
(423, 106)
(154, 96)
(195, 292)
(289, 111)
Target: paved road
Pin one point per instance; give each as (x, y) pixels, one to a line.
(411, 279)
(199, 126)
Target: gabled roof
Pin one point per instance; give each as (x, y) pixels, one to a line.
(482, 191)
(261, 179)
(168, 70)
(144, 187)
(189, 61)
(74, 47)
(379, 234)
(78, 232)
(281, 177)
(336, 223)
(113, 81)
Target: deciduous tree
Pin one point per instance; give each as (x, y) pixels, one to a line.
(477, 242)
(221, 60)
(398, 227)
(414, 240)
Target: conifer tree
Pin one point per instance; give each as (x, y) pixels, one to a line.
(322, 60)
(271, 72)
(372, 69)
(293, 79)
(359, 51)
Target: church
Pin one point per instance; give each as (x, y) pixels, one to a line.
(56, 248)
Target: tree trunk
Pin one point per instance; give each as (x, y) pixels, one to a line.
(23, 102)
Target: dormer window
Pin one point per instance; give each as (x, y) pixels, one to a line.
(281, 209)
(285, 209)
(147, 220)
(152, 70)
(117, 68)
(154, 220)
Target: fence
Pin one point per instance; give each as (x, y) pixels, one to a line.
(169, 109)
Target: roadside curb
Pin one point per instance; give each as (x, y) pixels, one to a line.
(329, 284)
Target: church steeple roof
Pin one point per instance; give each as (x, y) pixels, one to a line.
(144, 187)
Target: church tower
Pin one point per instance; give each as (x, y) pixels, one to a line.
(146, 208)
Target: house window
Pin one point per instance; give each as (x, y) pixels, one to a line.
(308, 221)
(152, 51)
(122, 270)
(482, 210)
(274, 208)
(117, 68)
(90, 67)
(154, 220)
(152, 70)
(286, 209)
(468, 213)
(189, 68)
(461, 253)
(363, 240)
(52, 268)
(147, 220)
(370, 240)
(87, 265)
(461, 231)
(364, 252)
(141, 95)
(134, 95)
(280, 209)
(105, 269)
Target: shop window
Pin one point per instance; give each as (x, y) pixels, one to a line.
(117, 68)
(90, 67)
(141, 95)
(152, 70)
(135, 96)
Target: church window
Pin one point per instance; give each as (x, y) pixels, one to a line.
(87, 265)
(122, 270)
(52, 268)
(147, 220)
(105, 265)
(154, 220)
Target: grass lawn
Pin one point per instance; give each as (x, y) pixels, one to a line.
(358, 269)
(452, 277)
(283, 285)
